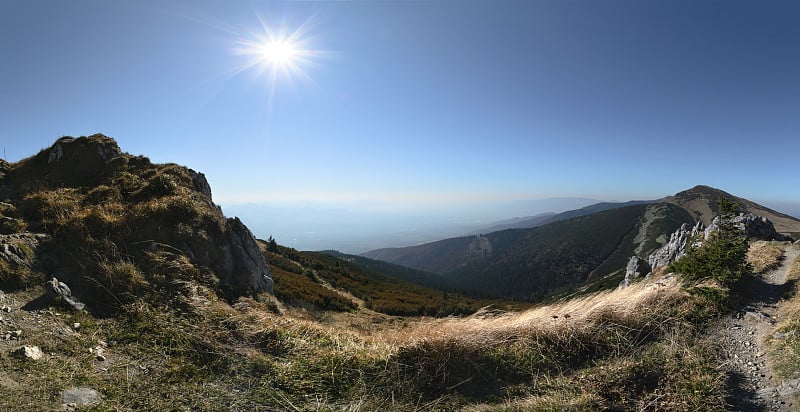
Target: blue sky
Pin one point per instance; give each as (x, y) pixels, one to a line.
(420, 104)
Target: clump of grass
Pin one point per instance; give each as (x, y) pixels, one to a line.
(51, 208)
(764, 255)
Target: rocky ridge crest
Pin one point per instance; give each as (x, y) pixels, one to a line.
(686, 237)
(99, 212)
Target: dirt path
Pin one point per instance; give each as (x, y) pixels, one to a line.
(743, 350)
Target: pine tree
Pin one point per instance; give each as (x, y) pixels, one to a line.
(723, 257)
(272, 245)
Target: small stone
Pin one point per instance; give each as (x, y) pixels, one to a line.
(76, 325)
(6, 309)
(30, 352)
(100, 357)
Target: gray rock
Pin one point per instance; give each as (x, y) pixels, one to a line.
(29, 352)
(677, 246)
(245, 266)
(80, 396)
(755, 227)
(636, 268)
(58, 292)
(781, 335)
(19, 249)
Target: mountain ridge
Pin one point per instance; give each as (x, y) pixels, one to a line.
(482, 263)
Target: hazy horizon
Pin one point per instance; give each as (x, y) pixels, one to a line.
(357, 229)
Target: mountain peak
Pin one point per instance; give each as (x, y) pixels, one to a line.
(701, 202)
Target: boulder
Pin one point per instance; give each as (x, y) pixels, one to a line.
(244, 265)
(59, 292)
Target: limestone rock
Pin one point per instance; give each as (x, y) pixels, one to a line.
(677, 246)
(637, 267)
(755, 227)
(60, 292)
(29, 352)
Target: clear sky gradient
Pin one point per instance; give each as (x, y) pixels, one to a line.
(420, 104)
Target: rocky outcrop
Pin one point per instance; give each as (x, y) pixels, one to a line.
(637, 268)
(755, 227)
(677, 246)
(200, 183)
(244, 265)
(479, 247)
(19, 249)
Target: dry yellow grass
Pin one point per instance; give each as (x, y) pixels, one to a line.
(635, 303)
(764, 255)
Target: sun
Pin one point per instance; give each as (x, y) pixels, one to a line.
(278, 52)
(279, 55)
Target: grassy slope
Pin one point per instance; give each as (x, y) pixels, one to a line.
(535, 263)
(530, 264)
(627, 349)
(310, 277)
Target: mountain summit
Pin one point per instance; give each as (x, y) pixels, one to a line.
(701, 202)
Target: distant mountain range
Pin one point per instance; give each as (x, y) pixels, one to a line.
(561, 251)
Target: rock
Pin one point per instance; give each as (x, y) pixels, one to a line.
(19, 249)
(755, 227)
(200, 183)
(781, 335)
(244, 265)
(29, 352)
(59, 292)
(758, 317)
(80, 396)
(10, 225)
(99, 351)
(76, 325)
(636, 268)
(677, 246)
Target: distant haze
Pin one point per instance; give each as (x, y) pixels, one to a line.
(353, 228)
(356, 229)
